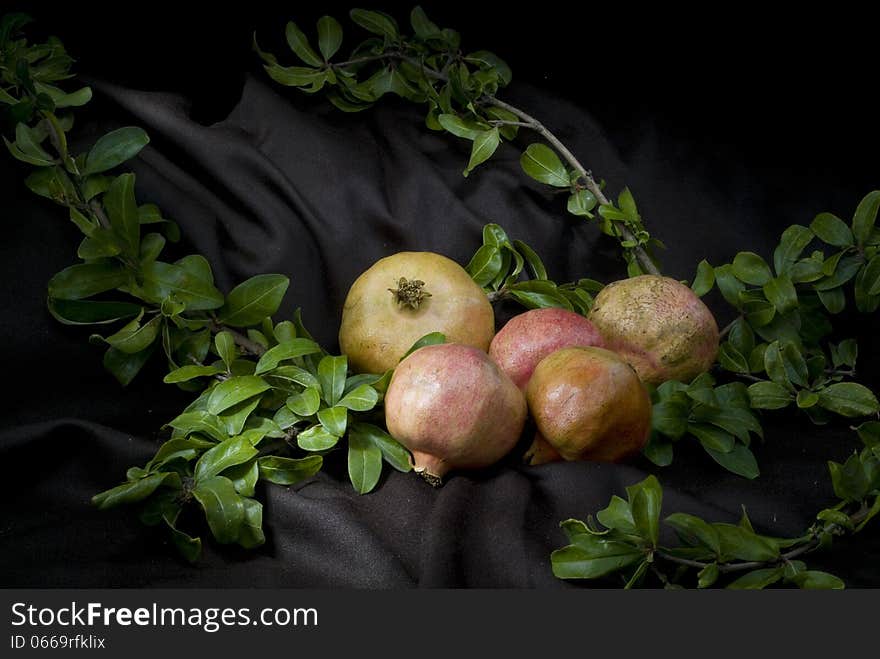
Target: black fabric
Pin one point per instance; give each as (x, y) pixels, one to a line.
(264, 179)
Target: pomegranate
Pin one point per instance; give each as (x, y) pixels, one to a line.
(589, 404)
(659, 326)
(453, 408)
(405, 296)
(529, 337)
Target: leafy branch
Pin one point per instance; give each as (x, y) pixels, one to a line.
(460, 90)
(626, 541)
(272, 403)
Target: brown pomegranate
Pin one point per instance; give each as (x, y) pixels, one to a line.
(589, 404)
(405, 296)
(453, 408)
(530, 336)
(659, 326)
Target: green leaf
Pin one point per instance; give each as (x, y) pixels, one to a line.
(178, 449)
(90, 312)
(423, 27)
(251, 534)
(224, 508)
(658, 450)
(593, 557)
(200, 421)
(775, 365)
(817, 580)
(254, 299)
(124, 366)
(224, 342)
(581, 203)
(645, 500)
(115, 148)
(329, 36)
(695, 531)
(306, 403)
(739, 460)
(739, 543)
(869, 433)
(228, 453)
(331, 374)
(485, 144)
(188, 547)
(364, 463)
(133, 492)
(793, 242)
(729, 416)
(849, 480)
(152, 245)
(741, 337)
(361, 399)
(732, 359)
(87, 279)
(728, 284)
(375, 22)
(670, 418)
(712, 438)
(806, 270)
(19, 154)
(485, 265)
(708, 575)
(865, 217)
(794, 364)
(289, 471)
(488, 61)
(870, 276)
(532, 259)
(781, 293)
(832, 230)
(244, 477)
(432, 339)
(297, 76)
(807, 399)
(123, 212)
(769, 396)
(757, 579)
(162, 280)
(833, 300)
(392, 451)
(618, 515)
(849, 399)
(751, 269)
(334, 420)
(846, 269)
(316, 438)
(705, 279)
(299, 44)
(458, 126)
(284, 351)
(541, 163)
(538, 294)
(135, 337)
(235, 390)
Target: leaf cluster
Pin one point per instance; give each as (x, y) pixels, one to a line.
(428, 66)
(272, 403)
(507, 268)
(625, 543)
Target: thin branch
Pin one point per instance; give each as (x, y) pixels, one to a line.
(641, 255)
(528, 121)
(246, 344)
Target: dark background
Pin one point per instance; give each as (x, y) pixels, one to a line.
(728, 125)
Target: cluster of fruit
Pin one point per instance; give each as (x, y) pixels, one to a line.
(464, 404)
